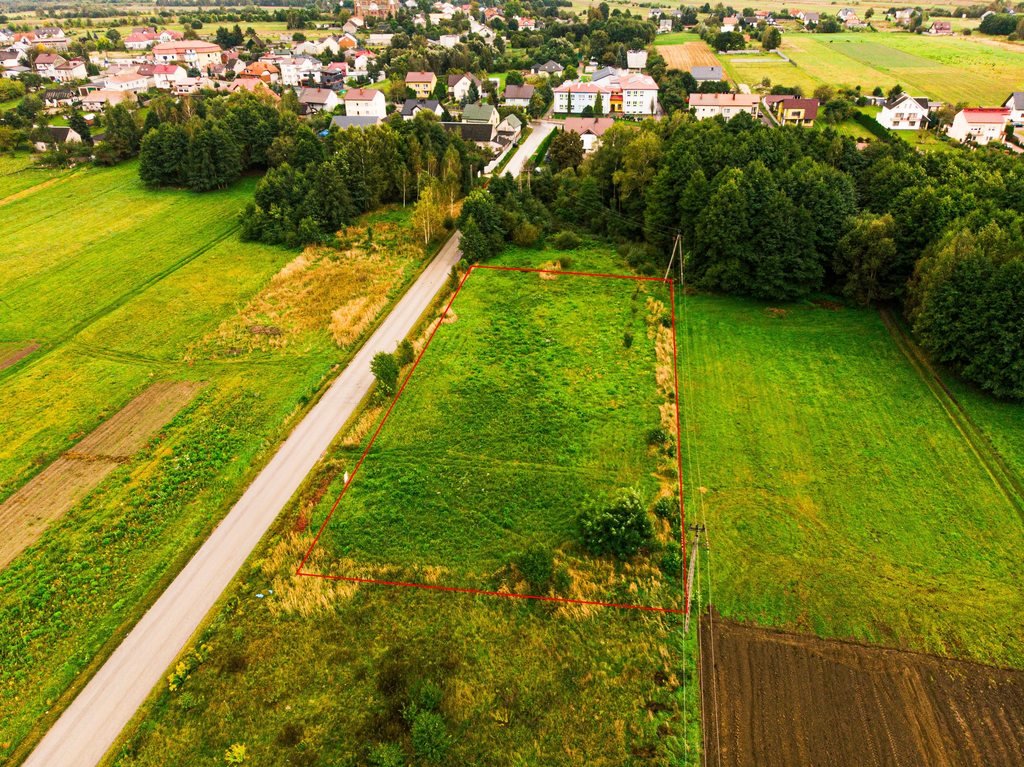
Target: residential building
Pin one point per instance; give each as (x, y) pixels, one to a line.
(58, 135)
(196, 53)
(639, 95)
(413, 107)
(166, 76)
(904, 112)
(636, 61)
(1015, 103)
(510, 129)
(707, 74)
(727, 105)
(590, 129)
(809, 18)
(664, 26)
(790, 110)
(375, 9)
(902, 16)
(264, 71)
(478, 133)
(353, 26)
(365, 102)
(729, 23)
(421, 83)
(94, 100)
(354, 121)
(334, 74)
(980, 125)
(940, 28)
(518, 95)
(458, 86)
(318, 100)
(548, 69)
(59, 97)
(133, 83)
(252, 85)
(46, 64)
(480, 113)
(143, 38)
(380, 39)
(70, 71)
(300, 70)
(448, 41)
(635, 95)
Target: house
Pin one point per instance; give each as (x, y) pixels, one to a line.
(252, 85)
(809, 19)
(510, 129)
(70, 71)
(380, 39)
(480, 113)
(518, 95)
(726, 105)
(902, 16)
(846, 13)
(353, 26)
(366, 102)
(59, 97)
(636, 61)
(458, 86)
(548, 69)
(359, 62)
(790, 110)
(413, 107)
(261, 70)
(940, 28)
(46, 64)
(478, 133)
(729, 23)
(979, 126)
(639, 95)
(334, 74)
(590, 129)
(318, 100)
(196, 53)
(664, 26)
(166, 76)
(57, 136)
(635, 95)
(903, 112)
(341, 122)
(10, 59)
(1015, 103)
(707, 74)
(300, 70)
(526, 22)
(421, 83)
(95, 100)
(143, 38)
(133, 83)
(448, 41)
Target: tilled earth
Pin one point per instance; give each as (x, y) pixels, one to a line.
(771, 698)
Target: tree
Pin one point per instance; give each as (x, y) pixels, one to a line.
(566, 150)
(474, 244)
(515, 77)
(771, 39)
(162, 156)
(213, 159)
(867, 260)
(472, 94)
(385, 371)
(113, 36)
(428, 216)
(620, 528)
(122, 131)
(895, 91)
(78, 124)
(598, 105)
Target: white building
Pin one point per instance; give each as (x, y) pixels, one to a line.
(979, 125)
(365, 102)
(904, 113)
(300, 70)
(196, 53)
(635, 95)
(1015, 103)
(727, 105)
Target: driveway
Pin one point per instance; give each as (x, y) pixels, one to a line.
(89, 726)
(528, 148)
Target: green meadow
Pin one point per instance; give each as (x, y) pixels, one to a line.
(126, 287)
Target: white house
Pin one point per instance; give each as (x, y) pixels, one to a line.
(981, 125)
(70, 71)
(590, 129)
(1015, 103)
(518, 95)
(166, 76)
(729, 23)
(639, 95)
(46, 64)
(300, 70)
(904, 112)
(197, 53)
(458, 85)
(131, 83)
(727, 105)
(380, 39)
(448, 41)
(318, 99)
(636, 61)
(365, 102)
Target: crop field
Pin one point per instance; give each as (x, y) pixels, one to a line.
(954, 69)
(127, 290)
(787, 699)
(841, 499)
(516, 411)
(685, 56)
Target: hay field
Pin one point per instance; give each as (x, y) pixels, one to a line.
(685, 56)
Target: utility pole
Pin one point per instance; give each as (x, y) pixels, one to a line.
(697, 530)
(677, 249)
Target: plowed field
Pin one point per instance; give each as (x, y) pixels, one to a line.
(688, 55)
(771, 698)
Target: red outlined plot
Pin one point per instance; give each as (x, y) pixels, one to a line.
(300, 571)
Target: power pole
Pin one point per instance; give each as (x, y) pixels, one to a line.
(677, 249)
(697, 530)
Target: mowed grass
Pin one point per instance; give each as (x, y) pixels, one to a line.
(676, 38)
(521, 682)
(18, 172)
(169, 312)
(840, 499)
(951, 69)
(525, 406)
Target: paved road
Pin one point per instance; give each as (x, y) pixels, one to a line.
(528, 148)
(87, 729)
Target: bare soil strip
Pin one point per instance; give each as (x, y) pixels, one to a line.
(685, 56)
(26, 514)
(776, 699)
(17, 355)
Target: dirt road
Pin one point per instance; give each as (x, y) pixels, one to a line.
(87, 729)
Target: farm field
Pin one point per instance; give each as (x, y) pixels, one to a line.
(787, 699)
(677, 38)
(572, 684)
(841, 500)
(18, 173)
(954, 69)
(138, 290)
(685, 56)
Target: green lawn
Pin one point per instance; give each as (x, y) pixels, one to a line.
(840, 498)
(129, 286)
(675, 38)
(18, 173)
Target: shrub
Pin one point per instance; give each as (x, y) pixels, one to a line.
(385, 370)
(619, 529)
(537, 566)
(387, 755)
(672, 561)
(235, 754)
(655, 437)
(627, 339)
(290, 735)
(566, 240)
(430, 738)
(405, 354)
(526, 235)
(667, 508)
(425, 695)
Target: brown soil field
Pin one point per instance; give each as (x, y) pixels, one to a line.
(16, 355)
(26, 514)
(688, 55)
(770, 698)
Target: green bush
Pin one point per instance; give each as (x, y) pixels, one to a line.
(430, 738)
(619, 529)
(387, 755)
(537, 566)
(566, 240)
(656, 437)
(385, 370)
(627, 339)
(526, 235)
(405, 354)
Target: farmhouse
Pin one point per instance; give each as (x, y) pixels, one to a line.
(590, 129)
(421, 83)
(904, 112)
(365, 102)
(727, 105)
(518, 95)
(980, 126)
(58, 135)
(729, 23)
(810, 19)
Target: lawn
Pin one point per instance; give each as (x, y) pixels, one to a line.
(518, 409)
(951, 69)
(676, 38)
(840, 498)
(18, 172)
(127, 287)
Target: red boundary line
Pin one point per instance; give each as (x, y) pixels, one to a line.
(482, 592)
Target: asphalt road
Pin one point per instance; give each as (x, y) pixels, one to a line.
(528, 148)
(89, 726)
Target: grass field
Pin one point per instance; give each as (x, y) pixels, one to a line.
(129, 287)
(840, 498)
(570, 684)
(950, 69)
(677, 38)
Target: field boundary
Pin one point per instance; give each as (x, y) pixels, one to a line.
(300, 571)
